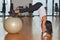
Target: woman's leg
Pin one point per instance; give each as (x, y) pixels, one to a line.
(32, 8)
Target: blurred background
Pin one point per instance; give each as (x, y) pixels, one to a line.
(52, 15)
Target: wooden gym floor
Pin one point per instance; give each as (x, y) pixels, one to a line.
(31, 31)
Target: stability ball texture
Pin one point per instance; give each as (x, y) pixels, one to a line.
(13, 24)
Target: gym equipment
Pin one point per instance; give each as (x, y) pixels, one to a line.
(13, 24)
(56, 7)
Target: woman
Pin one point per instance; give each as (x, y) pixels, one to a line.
(41, 10)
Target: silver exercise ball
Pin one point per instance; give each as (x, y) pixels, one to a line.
(13, 24)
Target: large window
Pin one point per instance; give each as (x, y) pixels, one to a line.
(2, 31)
(49, 5)
(7, 4)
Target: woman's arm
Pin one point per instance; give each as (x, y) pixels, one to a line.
(42, 13)
(44, 18)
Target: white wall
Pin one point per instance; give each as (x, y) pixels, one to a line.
(21, 3)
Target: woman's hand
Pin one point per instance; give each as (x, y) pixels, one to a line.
(17, 11)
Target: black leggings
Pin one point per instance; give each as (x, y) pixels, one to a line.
(32, 8)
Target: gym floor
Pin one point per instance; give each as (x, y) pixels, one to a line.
(36, 30)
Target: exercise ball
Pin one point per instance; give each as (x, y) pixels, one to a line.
(13, 24)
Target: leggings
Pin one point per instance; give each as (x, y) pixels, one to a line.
(32, 8)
